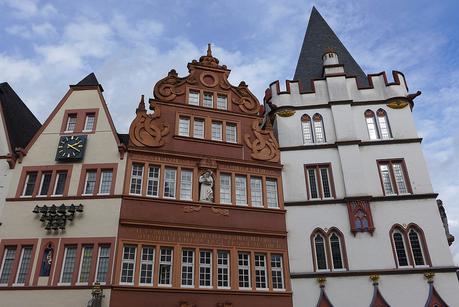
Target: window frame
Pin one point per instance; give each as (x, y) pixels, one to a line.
(188, 265)
(224, 266)
(406, 178)
(147, 262)
(100, 246)
(329, 263)
(64, 259)
(277, 269)
(169, 263)
(87, 116)
(99, 169)
(184, 120)
(41, 171)
(128, 261)
(318, 177)
(261, 269)
(404, 231)
(136, 177)
(80, 265)
(206, 266)
(244, 267)
(80, 122)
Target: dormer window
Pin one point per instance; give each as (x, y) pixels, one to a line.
(222, 102)
(208, 101)
(89, 122)
(71, 122)
(193, 98)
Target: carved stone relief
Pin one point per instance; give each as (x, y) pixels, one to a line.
(264, 146)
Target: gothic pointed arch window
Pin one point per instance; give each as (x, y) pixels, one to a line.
(418, 246)
(409, 246)
(371, 125)
(306, 126)
(336, 251)
(319, 132)
(329, 253)
(399, 243)
(383, 123)
(319, 252)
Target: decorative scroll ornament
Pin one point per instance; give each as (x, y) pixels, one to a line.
(166, 88)
(190, 209)
(247, 102)
(146, 130)
(224, 212)
(264, 147)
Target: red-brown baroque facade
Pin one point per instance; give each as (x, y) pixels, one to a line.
(202, 221)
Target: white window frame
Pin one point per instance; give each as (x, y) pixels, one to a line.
(81, 264)
(174, 181)
(198, 94)
(85, 192)
(182, 129)
(274, 191)
(240, 201)
(98, 263)
(408, 261)
(421, 246)
(341, 251)
(102, 172)
(136, 177)
(254, 181)
(66, 248)
(169, 263)
(204, 101)
(223, 267)
(314, 169)
(306, 129)
(71, 116)
(151, 180)
(383, 178)
(56, 182)
(278, 269)
(205, 266)
(26, 182)
(383, 124)
(88, 115)
(231, 130)
(220, 102)
(244, 267)
(327, 265)
(5, 252)
(259, 270)
(42, 179)
(189, 183)
(20, 264)
(187, 265)
(147, 262)
(217, 125)
(203, 122)
(128, 261)
(228, 187)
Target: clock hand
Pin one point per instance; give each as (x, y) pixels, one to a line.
(68, 145)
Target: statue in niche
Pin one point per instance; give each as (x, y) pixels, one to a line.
(47, 260)
(206, 188)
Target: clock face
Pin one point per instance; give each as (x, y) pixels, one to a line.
(71, 147)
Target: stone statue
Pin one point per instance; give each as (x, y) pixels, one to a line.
(444, 220)
(47, 260)
(206, 189)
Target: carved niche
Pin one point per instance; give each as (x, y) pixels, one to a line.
(206, 74)
(264, 146)
(360, 217)
(146, 129)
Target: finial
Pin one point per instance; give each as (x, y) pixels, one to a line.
(429, 276)
(141, 106)
(374, 278)
(209, 50)
(321, 281)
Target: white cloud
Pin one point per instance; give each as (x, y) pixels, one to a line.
(34, 31)
(29, 8)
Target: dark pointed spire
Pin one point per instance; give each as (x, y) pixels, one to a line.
(318, 39)
(89, 80)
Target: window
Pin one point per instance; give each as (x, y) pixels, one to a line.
(146, 265)
(393, 177)
(89, 122)
(69, 264)
(24, 264)
(222, 102)
(193, 98)
(371, 125)
(319, 133)
(225, 188)
(307, 129)
(244, 270)
(184, 126)
(319, 183)
(383, 125)
(416, 248)
(208, 101)
(412, 238)
(102, 264)
(153, 181)
(378, 126)
(186, 184)
(45, 184)
(399, 243)
(85, 264)
(90, 183)
(60, 183)
(136, 179)
(106, 182)
(335, 246)
(271, 193)
(256, 191)
(165, 267)
(187, 267)
(328, 250)
(217, 131)
(198, 128)
(30, 183)
(205, 269)
(223, 278)
(71, 122)
(169, 183)
(241, 190)
(319, 246)
(7, 264)
(260, 272)
(277, 272)
(231, 133)
(128, 265)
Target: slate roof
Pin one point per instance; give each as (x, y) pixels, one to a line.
(89, 80)
(318, 38)
(20, 122)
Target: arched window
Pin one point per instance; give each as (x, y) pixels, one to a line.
(371, 125)
(383, 123)
(319, 133)
(400, 250)
(418, 249)
(307, 129)
(335, 247)
(321, 257)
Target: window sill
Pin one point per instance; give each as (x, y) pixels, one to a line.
(64, 284)
(279, 290)
(164, 286)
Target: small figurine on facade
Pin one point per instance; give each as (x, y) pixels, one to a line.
(47, 261)
(206, 192)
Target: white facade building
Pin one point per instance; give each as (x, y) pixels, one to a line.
(357, 190)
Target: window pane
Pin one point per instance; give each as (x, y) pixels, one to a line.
(30, 183)
(89, 123)
(102, 264)
(208, 100)
(244, 270)
(399, 178)
(187, 267)
(222, 102)
(307, 132)
(136, 179)
(231, 133)
(26, 258)
(106, 182)
(400, 249)
(277, 272)
(169, 183)
(193, 98)
(416, 248)
(153, 181)
(260, 272)
(319, 131)
(241, 190)
(387, 182)
(216, 131)
(320, 252)
(146, 265)
(60, 183)
(313, 190)
(45, 183)
(256, 192)
(325, 182)
(85, 265)
(223, 269)
(69, 264)
(128, 264)
(271, 193)
(384, 126)
(225, 188)
(71, 123)
(165, 266)
(336, 252)
(7, 265)
(90, 182)
(205, 269)
(372, 130)
(184, 126)
(198, 131)
(186, 185)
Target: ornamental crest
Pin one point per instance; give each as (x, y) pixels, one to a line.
(264, 146)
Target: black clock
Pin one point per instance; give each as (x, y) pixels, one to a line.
(71, 147)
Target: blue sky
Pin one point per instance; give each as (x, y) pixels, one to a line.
(47, 45)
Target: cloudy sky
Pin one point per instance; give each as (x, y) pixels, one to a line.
(47, 45)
